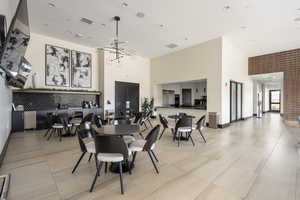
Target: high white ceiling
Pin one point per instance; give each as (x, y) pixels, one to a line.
(256, 26)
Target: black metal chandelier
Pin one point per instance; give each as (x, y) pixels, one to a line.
(115, 47)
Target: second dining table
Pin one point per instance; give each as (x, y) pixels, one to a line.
(177, 117)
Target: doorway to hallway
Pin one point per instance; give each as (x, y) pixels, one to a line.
(236, 101)
(275, 100)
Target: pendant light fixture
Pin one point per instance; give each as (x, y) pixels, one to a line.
(116, 46)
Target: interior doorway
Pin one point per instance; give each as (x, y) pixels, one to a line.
(187, 97)
(127, 98)
(275, 100)
(236, 101)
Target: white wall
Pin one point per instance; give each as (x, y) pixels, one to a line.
(202, 61)
(132, 69)
(5, 93)
(235, 67)
(35, 54)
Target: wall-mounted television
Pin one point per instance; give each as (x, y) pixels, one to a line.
(12, 60)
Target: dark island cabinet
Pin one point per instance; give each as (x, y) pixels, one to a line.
(17, 121)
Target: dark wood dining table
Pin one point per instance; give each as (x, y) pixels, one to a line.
(119, 130)
(177, 117)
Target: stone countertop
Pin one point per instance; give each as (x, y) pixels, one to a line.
(181, 107)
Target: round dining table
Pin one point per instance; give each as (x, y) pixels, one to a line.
(119, 130)
(177, 117)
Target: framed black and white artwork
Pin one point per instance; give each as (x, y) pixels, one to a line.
(57, 66)
(81, 73)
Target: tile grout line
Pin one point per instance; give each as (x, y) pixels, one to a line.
(219, 175)
(58, 192)
(264, 164)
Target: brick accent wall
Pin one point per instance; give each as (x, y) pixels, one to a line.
(289, 63)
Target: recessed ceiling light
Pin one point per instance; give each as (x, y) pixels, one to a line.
(243, 27)
(124, 4)
(51, 5)
(69, 32)
(140, 15)
(172, 45)
(297, 19)
(86, 20)
(226, 8)
(78, 35)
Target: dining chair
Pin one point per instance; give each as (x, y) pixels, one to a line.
(137, 118)
(182, 114)
(165, 125)
(110, 148)
(98, 121)
(78, 115)
(60, 124)
(85, 147)
(148, 118)
(88, 118)
(184, 126)
(146, 145)
(200, 126)
(49, 122)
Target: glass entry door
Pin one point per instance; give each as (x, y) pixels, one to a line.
(275, 100)
(236, 101)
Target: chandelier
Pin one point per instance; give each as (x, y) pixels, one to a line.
(116, 45)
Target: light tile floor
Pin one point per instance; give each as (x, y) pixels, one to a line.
(252, 159)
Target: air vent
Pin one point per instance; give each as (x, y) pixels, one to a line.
(87, 21)
(140, 15)
(172, 46)
(79, 35)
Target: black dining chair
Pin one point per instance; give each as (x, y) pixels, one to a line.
(200, 126)
(49, 121)
(85, 147)
(182, 114)
(88, 118)
(110, 148)
(148, 117)
(184, 126)
(60, 125)
(78, 115)
(137, 118)
(165, 125)
(146, 145)
(98, 121)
